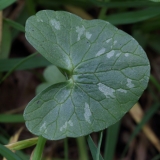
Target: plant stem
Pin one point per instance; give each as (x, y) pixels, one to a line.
(37, 155)
(103, 11)
(82, 148)
(17, 65)
(66, 148)
(99, 145)
(111, 141)
(93, 148)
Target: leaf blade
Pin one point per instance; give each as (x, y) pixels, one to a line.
(134, 16)
(15, 25)
(34, 62)
(106, 76)
(6, 3)
(93, 148)
(16, 118)
(8, 154)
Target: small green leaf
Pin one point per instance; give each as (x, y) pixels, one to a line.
(52, 76)
(42, 86)
(107, 72)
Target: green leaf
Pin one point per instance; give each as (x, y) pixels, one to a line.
(99, 146)
(151, 111)
(8, 154)
(51, 3)
(155, 82)
(93, 148)
(15, 25)
(82, 148)
(107, 72)
(22, 155)
(37, 155)
(16, 66)
(111, 141)
(22, 144)
(5, 3)
(133, 16)
(3, 139)
(6, 41)
(10, 118)
(52, 75)
(34, 62)
(155, 0)
(42, 86)
(121, 4)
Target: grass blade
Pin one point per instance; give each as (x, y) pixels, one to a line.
(22, 155)
(9, 155)
(82, 148)
(99, 146)
(15, 25)
(111, 141)
(93, 148)
(153, 109)
(6, 3)
(33, 62)
(124, 4)
(155, 0)
(6, 41)
(51, 3)
(21, 19)
(155, 82)
(16, 66)
(133, 16)
(37, 155)
(22, 144)
(16, 118)
(3, 139)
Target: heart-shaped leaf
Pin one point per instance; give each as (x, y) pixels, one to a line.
(107, 72)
